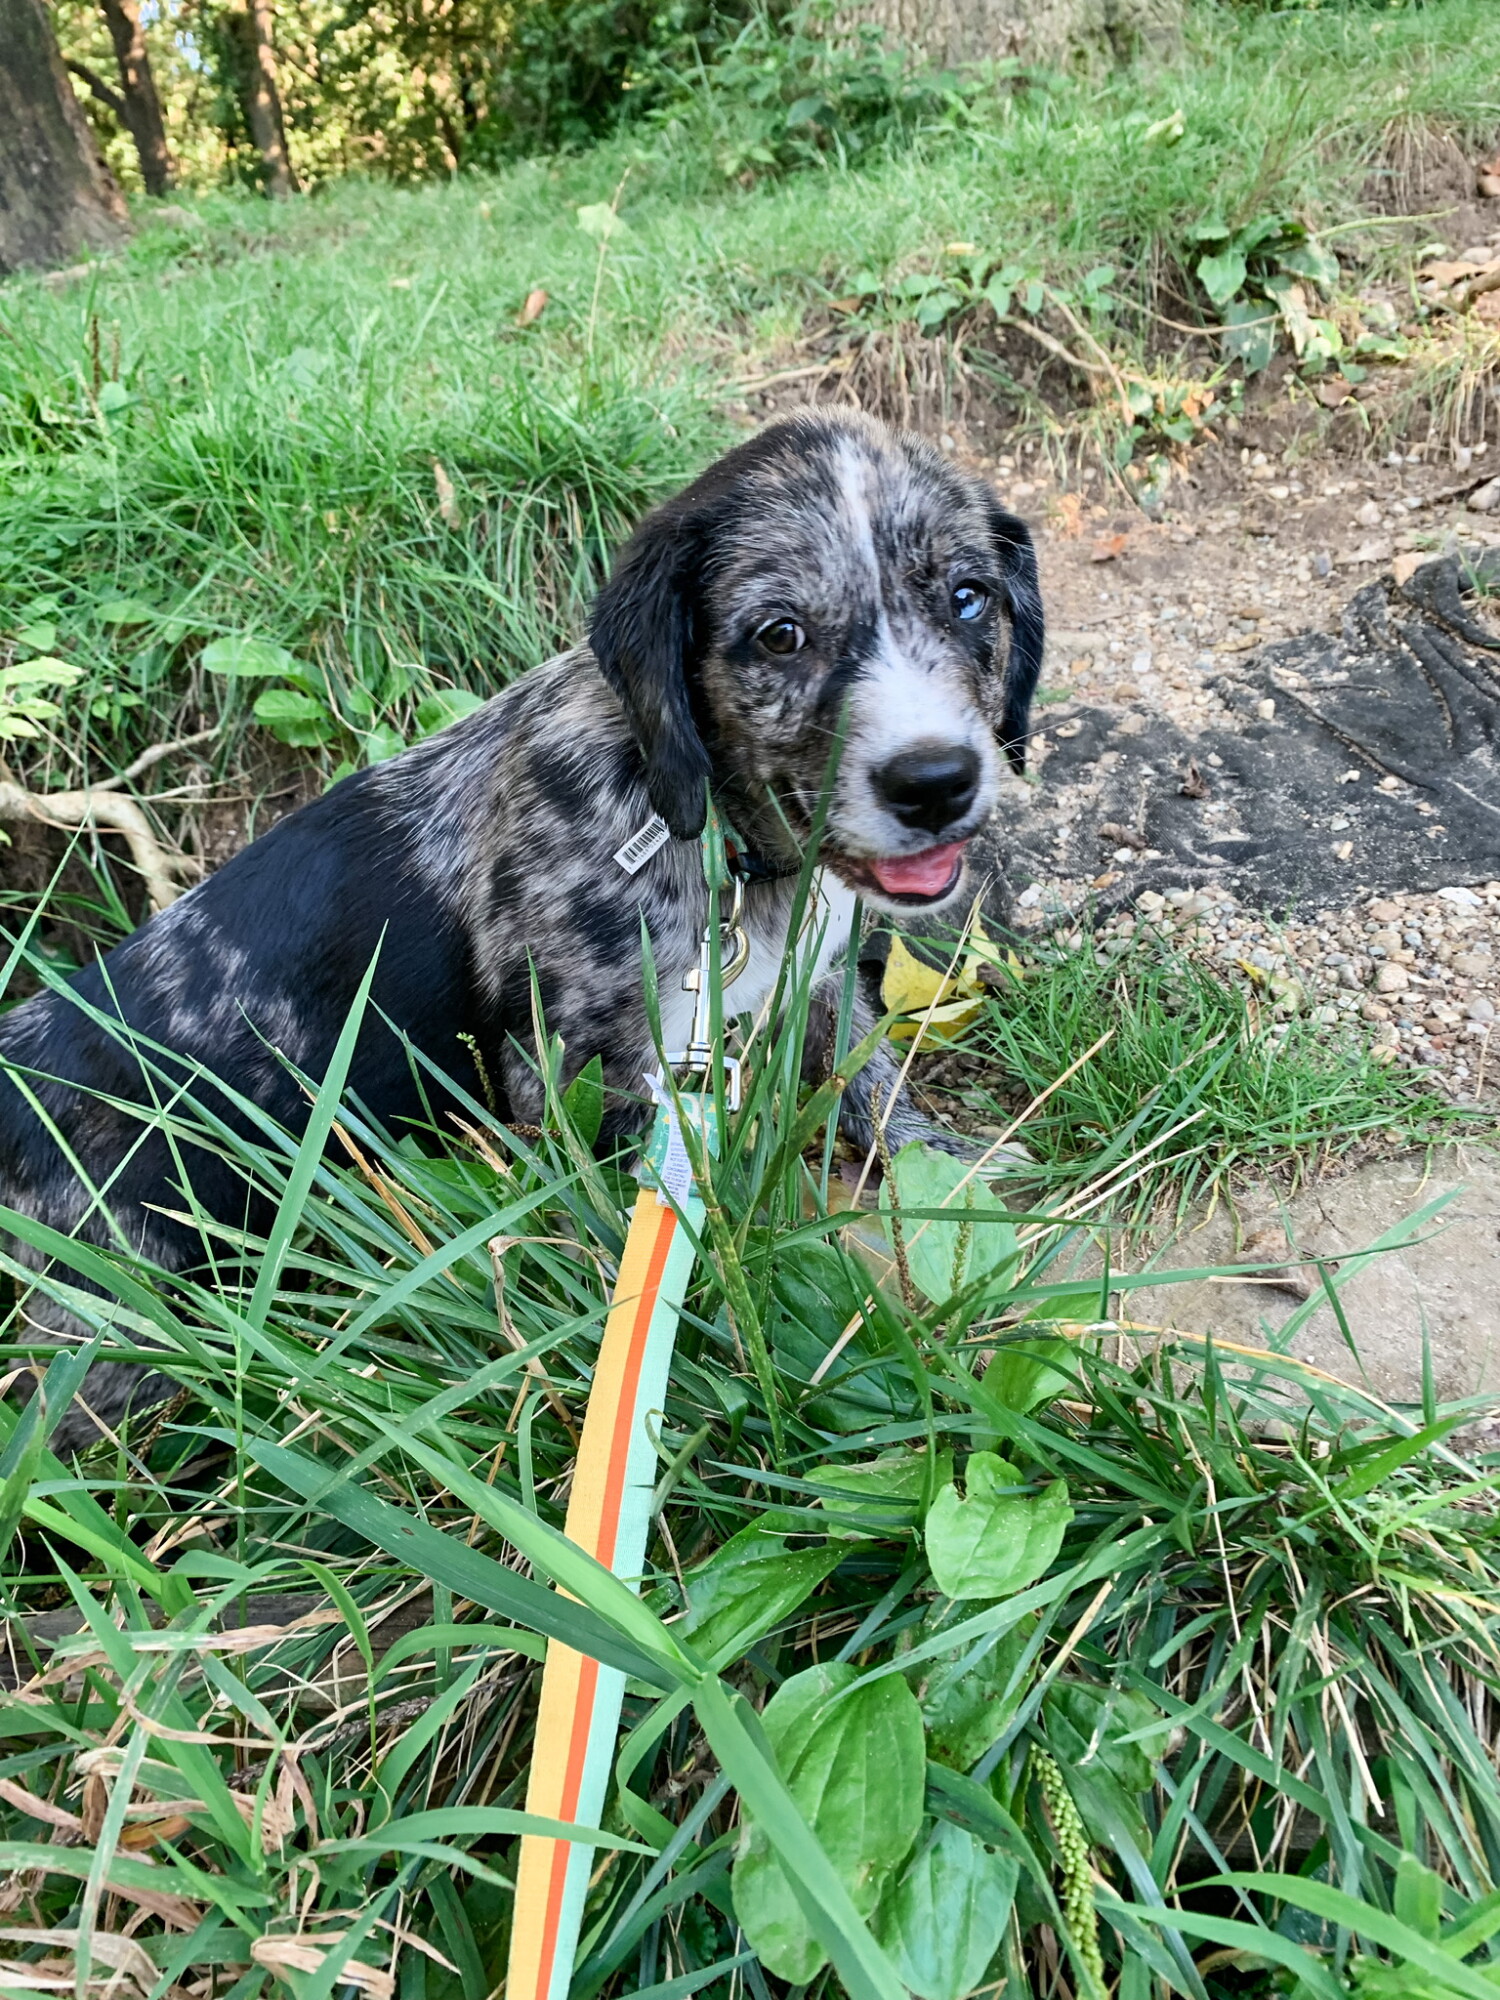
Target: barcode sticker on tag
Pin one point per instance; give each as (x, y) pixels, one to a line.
(640, 847)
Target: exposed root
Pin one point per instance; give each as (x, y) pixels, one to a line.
(101, 806)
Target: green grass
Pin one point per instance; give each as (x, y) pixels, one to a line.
(1194, 1081)
(1182, 1661)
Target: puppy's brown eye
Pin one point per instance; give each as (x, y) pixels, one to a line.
(969, 600)
(781, 636)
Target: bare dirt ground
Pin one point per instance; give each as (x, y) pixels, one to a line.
(1264, 534)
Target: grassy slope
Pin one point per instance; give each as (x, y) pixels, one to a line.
(290, 377)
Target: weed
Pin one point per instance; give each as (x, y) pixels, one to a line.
(1194, 1080)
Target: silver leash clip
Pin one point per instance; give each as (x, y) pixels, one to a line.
(699, 1056)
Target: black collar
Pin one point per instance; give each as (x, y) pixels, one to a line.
(749, 866)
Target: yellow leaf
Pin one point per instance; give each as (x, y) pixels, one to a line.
(909, 985)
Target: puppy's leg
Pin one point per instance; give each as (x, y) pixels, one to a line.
(876, 1094)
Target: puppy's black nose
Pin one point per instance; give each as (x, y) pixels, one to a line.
(930, 788)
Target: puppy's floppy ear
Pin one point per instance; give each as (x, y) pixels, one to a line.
(1017, 559)
(646, 634)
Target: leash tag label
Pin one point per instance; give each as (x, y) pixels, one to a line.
(640, 847)
(674, 1170)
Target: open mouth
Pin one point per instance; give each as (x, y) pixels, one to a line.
(917, 878)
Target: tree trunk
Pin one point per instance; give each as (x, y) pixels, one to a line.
(263, 103)
(962, 31)
(57, 197)
(143, 119)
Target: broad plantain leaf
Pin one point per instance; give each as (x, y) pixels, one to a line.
(943, 1918)
(967, 1709)
(856, 1769)
(1222, 274)
(996, 1540)
(747, 1587)
(944, 1256)
(886, 1494)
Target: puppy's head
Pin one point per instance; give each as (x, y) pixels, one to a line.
(831, 603)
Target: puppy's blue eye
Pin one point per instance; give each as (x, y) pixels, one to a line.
(969, 600)
(782, 636)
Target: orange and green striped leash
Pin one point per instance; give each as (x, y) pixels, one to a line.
(609, 1510)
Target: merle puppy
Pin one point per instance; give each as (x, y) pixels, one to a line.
(826, 578)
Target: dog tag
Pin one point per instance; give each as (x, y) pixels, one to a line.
(640, 847)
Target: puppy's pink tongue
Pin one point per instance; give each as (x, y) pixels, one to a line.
(919, 874)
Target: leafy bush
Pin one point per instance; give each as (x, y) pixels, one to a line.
(801, 88)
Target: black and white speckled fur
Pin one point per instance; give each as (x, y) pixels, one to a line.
(483, 855)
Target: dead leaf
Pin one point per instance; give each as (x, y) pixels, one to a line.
(277, 1819)
(42, 1809)
(1405, 566)
(1109, 548)
(1067, 510)
(1194, 784)
(303, 1953)
(1107, 880)
(1448, 271)
(1113, 834)
(447, 498)
(938, 1006)
(120, 1954)
(1334, 391)
(146, 1832)
(535, 306)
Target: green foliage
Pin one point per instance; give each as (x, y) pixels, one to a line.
(1184, 1052)
(800, 87)
(975, 1746)
(992, 1540)
(852, 1757)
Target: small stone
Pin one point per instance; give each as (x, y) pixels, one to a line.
(1480, 1009)
(1342, 850)
(1368, 516)
(1466, 899)
(1371, 1010)
(1265, 709)
(1485, 499)
(1383, 911)
(1392, 979)
(1472, 964)
(1148, 902)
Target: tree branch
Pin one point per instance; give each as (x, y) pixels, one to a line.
(100, 89)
